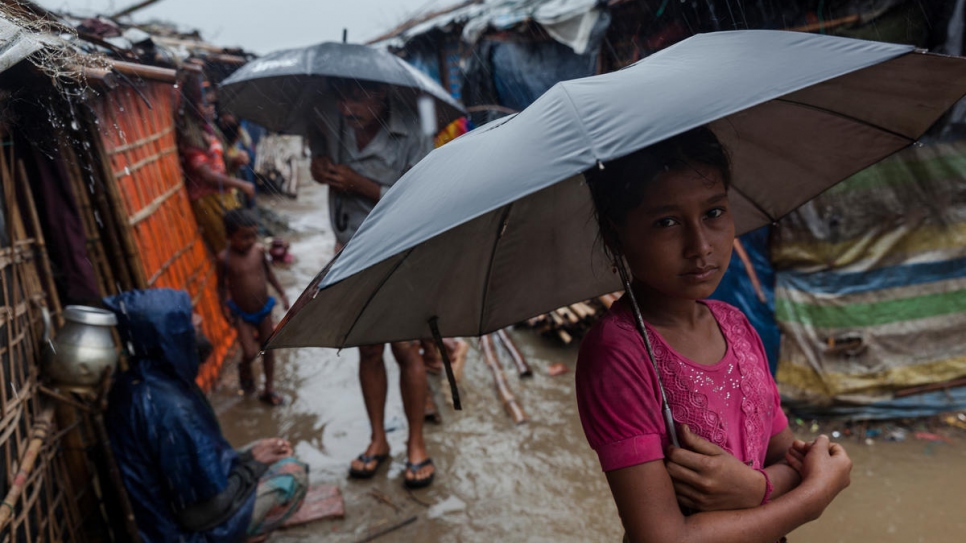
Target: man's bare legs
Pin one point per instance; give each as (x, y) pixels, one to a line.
(372, 377)
(412, 381)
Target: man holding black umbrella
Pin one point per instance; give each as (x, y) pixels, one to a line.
(360, 157)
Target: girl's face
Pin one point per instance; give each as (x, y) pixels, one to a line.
(678, 241)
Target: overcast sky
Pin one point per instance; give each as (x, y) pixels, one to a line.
(261, 26)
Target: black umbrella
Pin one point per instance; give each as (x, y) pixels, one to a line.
(284, 91)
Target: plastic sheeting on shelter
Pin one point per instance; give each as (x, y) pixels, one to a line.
(513, 74)
(570, 22)
(523, 72)
(871, 287)
(19, 43)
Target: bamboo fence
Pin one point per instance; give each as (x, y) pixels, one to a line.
(159, 231)
(39, 503)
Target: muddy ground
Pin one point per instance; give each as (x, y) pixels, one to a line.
(534, 482)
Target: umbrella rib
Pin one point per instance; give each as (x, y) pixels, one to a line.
(855, 120)
(373, 295)
(489, 268)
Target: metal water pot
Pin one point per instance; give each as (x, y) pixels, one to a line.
(83, 348)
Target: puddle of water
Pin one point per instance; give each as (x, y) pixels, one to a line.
(901, 492)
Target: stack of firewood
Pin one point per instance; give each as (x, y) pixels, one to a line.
(572, 321)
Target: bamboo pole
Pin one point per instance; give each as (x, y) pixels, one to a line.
(557, 319)
(569, 315)
(41, 428)
(131, 9)
(582, 310)
(154, 73)
(750, 270)
(130, 523)
(102, 177)
(18, 238)
(111, 205)
(41, 244)
(930, 388)
(523, 369)
(421, 19)
(510, 403)
(92, 234)
(8, 318)
(827, 25)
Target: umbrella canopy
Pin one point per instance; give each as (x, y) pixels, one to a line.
(498, 225)
(282, 91)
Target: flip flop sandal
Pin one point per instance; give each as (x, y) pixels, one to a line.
(366, 459)
(273, 399)
(414, 469)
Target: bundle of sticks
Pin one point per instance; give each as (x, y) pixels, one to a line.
(503, 392)
(490, 348)
(572, 321)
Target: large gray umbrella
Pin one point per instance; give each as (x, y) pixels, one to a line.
(282, 91)
(497, 225)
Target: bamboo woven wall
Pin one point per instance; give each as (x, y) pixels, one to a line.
(137, 127)
(38, 501)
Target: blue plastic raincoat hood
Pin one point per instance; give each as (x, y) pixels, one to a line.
(165, 436)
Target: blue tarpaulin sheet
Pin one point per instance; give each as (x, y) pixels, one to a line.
(736, 288)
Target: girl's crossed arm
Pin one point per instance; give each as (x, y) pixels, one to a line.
(708, 478)
(645, 497)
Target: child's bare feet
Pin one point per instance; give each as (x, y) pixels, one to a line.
(271, 398)
(246, 381)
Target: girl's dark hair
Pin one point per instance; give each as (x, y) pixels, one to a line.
(618, 187)
(239, 218)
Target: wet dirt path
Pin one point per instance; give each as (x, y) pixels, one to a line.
(535, 482)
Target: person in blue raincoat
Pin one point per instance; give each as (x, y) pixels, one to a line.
(186, 482)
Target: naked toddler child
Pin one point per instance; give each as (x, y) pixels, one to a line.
(243, 278)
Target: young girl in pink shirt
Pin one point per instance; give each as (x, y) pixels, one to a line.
(738, 474)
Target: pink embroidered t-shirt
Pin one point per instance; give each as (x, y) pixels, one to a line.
(733, 403)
